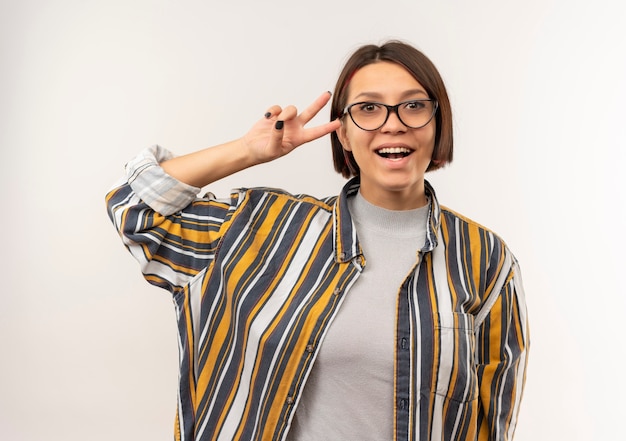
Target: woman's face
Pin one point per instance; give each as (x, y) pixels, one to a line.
(394, 158)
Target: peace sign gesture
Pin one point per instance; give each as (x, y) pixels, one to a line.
(282, 130)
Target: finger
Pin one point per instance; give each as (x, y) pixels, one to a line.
(319, 131)
(317, 105)
(273, 111)
(275, 141)
(288, 113)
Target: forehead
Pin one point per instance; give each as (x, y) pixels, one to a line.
(383, 80)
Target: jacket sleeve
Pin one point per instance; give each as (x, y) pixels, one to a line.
(171, 232)
(502, 350)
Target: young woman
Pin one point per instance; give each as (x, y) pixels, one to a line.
(373, 315)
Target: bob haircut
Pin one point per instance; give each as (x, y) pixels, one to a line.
(423, 70)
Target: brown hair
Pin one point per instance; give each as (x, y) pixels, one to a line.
(423, 70)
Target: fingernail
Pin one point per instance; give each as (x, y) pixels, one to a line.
(267, 114)
(329, 92)
(279, 125)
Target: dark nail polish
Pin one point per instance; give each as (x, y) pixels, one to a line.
(279, 125)
(267, 115)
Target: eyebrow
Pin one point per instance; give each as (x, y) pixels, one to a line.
(378, 96)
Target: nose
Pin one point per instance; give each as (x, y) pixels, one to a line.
(393, 123)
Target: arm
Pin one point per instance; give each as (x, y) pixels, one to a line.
(166, 228)
(502, 348)
(279, 133)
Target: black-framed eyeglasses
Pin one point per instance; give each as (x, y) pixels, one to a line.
(370, 116)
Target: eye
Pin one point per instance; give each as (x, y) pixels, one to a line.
(369, 107)
(414, 106)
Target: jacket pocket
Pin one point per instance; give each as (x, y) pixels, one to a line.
(457, 378)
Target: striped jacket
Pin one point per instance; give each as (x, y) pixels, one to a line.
(257, 280)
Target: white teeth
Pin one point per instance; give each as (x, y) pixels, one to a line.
(392, 150)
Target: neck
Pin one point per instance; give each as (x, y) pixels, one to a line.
(398, 200)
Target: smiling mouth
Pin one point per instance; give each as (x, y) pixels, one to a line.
(394, 152)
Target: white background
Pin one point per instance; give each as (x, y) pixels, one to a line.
(88, 349)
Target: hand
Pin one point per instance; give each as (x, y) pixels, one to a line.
(267, 140)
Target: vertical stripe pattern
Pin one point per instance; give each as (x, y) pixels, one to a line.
(257, 280)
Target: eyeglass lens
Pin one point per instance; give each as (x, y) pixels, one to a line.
(372, 116)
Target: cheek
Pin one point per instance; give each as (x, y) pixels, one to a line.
(354, 138)
(426, 139)
(433, 134)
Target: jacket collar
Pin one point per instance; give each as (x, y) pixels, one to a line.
(346, 244)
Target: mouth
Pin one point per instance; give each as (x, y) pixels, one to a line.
(394, 152)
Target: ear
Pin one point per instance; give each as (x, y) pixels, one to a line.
(343, 138)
